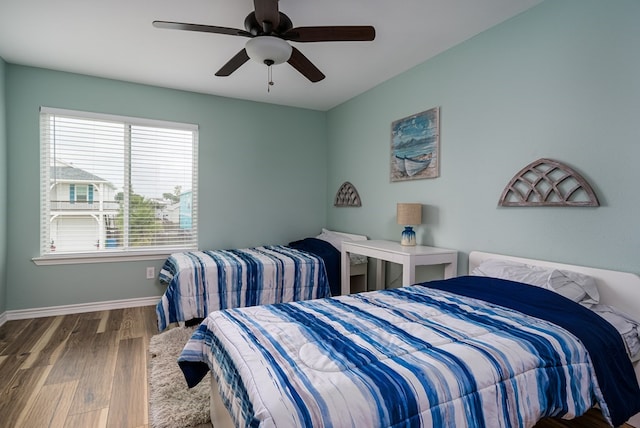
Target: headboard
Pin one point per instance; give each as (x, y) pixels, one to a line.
(353, 236)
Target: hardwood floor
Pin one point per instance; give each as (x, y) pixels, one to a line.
(90, 370)
(84, 370)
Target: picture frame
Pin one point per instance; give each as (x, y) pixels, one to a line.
(415, 146)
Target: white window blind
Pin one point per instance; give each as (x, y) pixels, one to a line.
(116, 184)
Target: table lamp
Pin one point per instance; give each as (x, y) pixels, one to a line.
(409, 215)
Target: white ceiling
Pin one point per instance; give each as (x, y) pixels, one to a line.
(115, 39)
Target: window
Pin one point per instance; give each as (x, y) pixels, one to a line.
(80, 193)
(116, 185)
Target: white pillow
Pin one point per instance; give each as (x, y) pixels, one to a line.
(628, 328)
(573, 285)
(532, 275)
(336, 239)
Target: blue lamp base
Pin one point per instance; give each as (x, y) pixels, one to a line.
(408, 237)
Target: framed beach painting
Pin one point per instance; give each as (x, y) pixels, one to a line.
(415, 146)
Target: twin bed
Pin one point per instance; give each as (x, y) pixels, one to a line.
(199, 282)
(469, 351)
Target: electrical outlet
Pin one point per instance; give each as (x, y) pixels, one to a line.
(151, 272)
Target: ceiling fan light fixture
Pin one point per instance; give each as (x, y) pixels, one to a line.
(268, 48)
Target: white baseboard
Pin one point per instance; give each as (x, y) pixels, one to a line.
(51, 311)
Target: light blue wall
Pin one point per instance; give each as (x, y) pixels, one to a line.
(561, 81)
(558, 81)
(3, 191)
(262, 173)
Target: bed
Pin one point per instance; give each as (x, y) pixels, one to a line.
(468, 351)
(199, 282)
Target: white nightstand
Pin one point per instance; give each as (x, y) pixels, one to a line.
(408, 257)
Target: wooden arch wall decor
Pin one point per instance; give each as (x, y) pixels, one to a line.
(548, 183)
(347, 196)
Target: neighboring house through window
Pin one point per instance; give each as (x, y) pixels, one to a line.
(75, 223)
(113, 184)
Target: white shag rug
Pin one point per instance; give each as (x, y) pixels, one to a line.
(171, 403)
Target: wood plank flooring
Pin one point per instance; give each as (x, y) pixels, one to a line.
(83, 370)
(90, 370)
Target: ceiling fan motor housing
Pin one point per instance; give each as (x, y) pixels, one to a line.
(252, 25)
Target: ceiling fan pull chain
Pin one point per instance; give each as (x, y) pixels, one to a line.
(269, 77)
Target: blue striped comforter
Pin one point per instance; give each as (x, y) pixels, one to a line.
(413, 356)
(203, 281)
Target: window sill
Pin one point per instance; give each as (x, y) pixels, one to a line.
(106, 257)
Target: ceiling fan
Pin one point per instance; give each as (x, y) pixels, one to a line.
(268, 30)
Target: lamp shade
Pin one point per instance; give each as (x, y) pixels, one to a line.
(268, 48)
(409, 214)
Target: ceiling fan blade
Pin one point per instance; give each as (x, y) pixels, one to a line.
(202, 28)
(267, 10)
(233, 64)
(349, 33)
(304, 66)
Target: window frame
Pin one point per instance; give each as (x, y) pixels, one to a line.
(109, 255)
